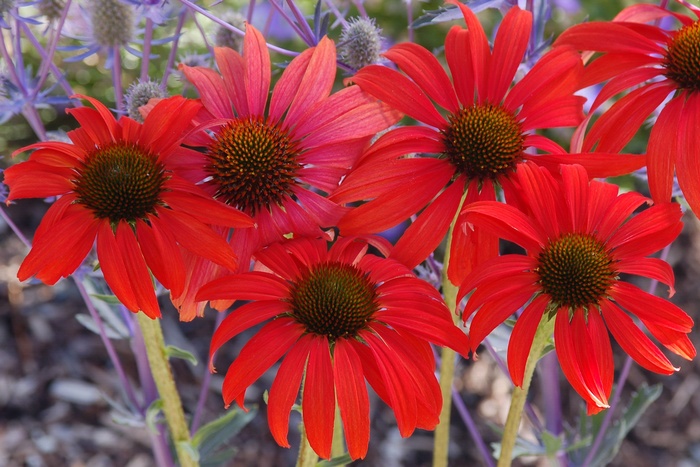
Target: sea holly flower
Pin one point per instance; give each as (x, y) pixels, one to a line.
(654, 63)
(487, 131)
(578, 241)
(340, 315)
(118, 188)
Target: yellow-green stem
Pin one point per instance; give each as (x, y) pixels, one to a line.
(163, 376)
(447, 357)
(338, 446)
(307, 456)
(519, 396)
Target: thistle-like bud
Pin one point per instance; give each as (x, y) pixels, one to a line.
(139, 94)
(112, 22)
(360, 42)
(51, 9)
(225, 37)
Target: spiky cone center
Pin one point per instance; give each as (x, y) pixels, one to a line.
(576, 270)
(112, 23)
(334, 299)
(253, 164)
(682, 60)
(120, 182)
(483, 141)
(360, 42)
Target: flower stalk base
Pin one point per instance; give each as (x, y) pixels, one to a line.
(163, 377)
(519, 396)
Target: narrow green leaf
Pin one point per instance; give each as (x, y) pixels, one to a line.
(342, 460)
(177, 352)
(212, 435)
(152, 414)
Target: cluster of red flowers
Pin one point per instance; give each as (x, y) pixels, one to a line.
(236, 195)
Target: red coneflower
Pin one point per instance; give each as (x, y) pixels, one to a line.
(271, 162)
(341, 316)
(635, 53)
(485, 134)
(578, 241)
(116, 185)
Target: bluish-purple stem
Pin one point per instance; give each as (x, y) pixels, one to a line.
(117, 79)
(223, 23)
(331, 6)
(47, 59)
(305, 36)
(467, 418)
(147, 38)
(251, 10)
(409, 20)
(203, 33)
(204, 390)
(621, 380)
(360, 7)
(308, 32)
(173, 50)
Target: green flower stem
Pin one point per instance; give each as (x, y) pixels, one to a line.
(307, 456)
(519, 396)
(172, 406)
(448, 357)
(338, 446)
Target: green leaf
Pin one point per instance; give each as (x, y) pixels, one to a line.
(177, 352)
(212, 435)
(552, 443)
(152, 414)
(618, 430)
(189, 449)
(110, 299)
(342, 460)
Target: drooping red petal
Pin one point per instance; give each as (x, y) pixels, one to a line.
(400, 93)
(353, 399)
(397, 383)
(663, 149)
(243, 318)
(285, 388)
(427, 231)
(198, 238)
(601, 350)
(245, 286)
(187, 198)
(425, 70)
(652, 268)
(165, 126)
(258, 355)
(521, 339)
(648, 231)
(607, 37)
(633, 341)
(688, 165)
(496, 270)
(32, 179)
(390, 208)
(650, 308)
(506, 222)
(608, 211)
(577, 367)
(59, 250)
(136, 271)
(162, 255)
(318, 403)
(492, 314)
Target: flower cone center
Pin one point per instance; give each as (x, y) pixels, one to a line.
(483, 141)
(682, 59)
(334, 299)
(120, 182)
(575, 271)
(253, 164)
